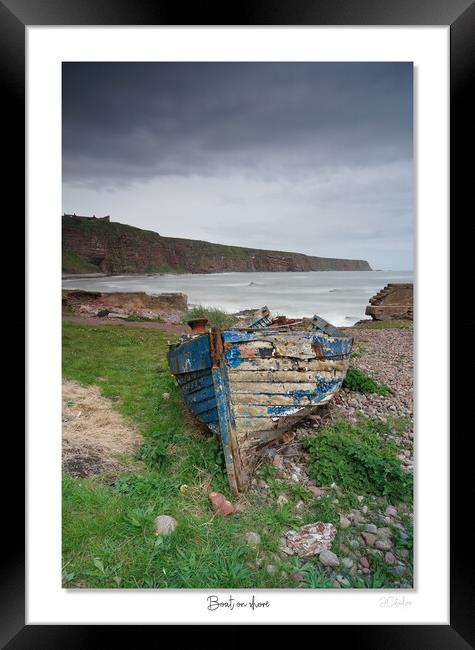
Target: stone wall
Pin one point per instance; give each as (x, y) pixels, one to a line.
(393, 302)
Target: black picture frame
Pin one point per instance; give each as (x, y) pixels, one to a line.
(15, 15)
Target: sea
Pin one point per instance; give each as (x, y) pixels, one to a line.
(339, 297)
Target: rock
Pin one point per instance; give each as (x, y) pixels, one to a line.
(299, 508)
(316, 491)
(360, 498)
(369, 538)
(357, 517)
(384, 532)
(310, 539)
(262, 484)
(113, 314)
(336, 584)
(220, 504)
(253, 539)
(164, 524)
(364, 562)
(102, 313)
(371, 528)
(343, 581)
(347, 562)
(296, 577)
(344, 522)
(282, 500)
(271, 569)
(365, 510)
(328, 558)
(383, 544)
(278, 462)
(391, 511)
(399, 570)
(389, 558)
(404, 553)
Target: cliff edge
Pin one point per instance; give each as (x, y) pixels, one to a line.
(93, 244)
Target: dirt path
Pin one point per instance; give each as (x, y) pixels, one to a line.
(163, 327)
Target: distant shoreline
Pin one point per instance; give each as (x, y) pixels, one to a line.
(72, 276)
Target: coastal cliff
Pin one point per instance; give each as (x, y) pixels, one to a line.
(98, 245)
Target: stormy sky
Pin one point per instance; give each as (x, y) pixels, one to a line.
(308, 157)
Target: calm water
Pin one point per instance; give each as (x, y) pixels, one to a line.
(339, 297)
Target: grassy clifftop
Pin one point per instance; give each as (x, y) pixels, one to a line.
(91, 244)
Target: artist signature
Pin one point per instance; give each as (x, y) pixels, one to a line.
(395, 601)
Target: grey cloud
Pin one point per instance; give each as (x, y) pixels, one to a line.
(142, 120)
(312, 157)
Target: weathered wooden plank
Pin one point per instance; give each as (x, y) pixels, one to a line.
(199, 396)
(270, 426)
(264, 399)
(197, 384)
(250, 411)
(208, 416)
(297, 365)
(190, 356)
(202, 407)
(269, 388)
(297, 344)
(192, 376)
(283, 376)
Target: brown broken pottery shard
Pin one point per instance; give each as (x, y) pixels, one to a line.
(310, 539)
(220, 504)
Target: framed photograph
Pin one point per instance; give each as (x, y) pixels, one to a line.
(235, 411)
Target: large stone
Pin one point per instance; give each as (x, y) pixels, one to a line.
(383, 544)
(369, 538)
(316, 491)
(328, 558)
(220, 504)
(310, 539)
(164, 524)
(253, 539)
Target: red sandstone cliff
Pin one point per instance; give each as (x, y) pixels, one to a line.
(91, 244)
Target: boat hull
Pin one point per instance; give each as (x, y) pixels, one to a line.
(249, 387)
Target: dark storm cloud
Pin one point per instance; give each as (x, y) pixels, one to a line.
(309, 157)
(135, 121)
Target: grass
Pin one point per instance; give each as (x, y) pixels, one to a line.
(359, 381)
(360, 459)
(385, 324)
(216, 317)
(108, 535)
(108, 538)
(134, 318)
(73, 263)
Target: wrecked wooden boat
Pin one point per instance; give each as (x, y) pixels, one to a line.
(251, 384)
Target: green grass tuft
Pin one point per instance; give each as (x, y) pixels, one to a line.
(359, 459)
(359, 381)
(216, 317)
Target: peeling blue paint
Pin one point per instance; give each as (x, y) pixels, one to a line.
(233, 357)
